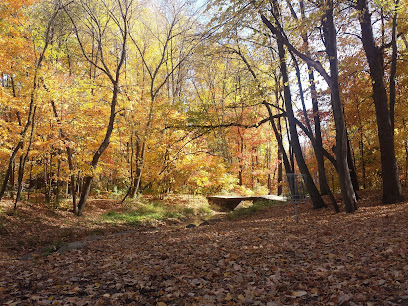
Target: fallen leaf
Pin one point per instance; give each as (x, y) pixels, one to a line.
(299, 293)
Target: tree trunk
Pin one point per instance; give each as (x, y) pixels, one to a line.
(280, 171)
(69, 157)
(324, 186)
(278, 136)
(24, 161)
(268, 167)
(12, 177)
(16, 149)
(139, 170)
(241, 159)
(406, 163)
(86, 187)
(130, 161)
(13, 156)
(353, 173)
(88, 179)
(72, 180)
(392, 192)
(316, 148)
(30, 180)
(346, 185)
(57, 190)
(361, 147)
(393, 71)
(406, 154)
(48, 195)
(311, 187)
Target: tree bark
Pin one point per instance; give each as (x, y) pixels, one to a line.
(324, 186)
(346, 185)
(241, 159)
(280, 171)
(72, 180)
(392, 192)
(393, 71)
(353, 173)
(406, 154)
(69, 157)
(105, 143)
(278, 136)
(311, 187)
(23, 163)
(361, 147)
(139, 169)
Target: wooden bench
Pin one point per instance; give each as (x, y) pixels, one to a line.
(229, 203)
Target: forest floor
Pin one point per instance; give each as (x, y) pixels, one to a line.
(35, 225)
(261, 259)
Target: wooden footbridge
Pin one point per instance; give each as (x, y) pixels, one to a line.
(230, 202)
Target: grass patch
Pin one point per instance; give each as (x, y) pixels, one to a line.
(142, 211)
(251, 209)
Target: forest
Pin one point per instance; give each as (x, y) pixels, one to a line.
(134, 98)
(112, 106)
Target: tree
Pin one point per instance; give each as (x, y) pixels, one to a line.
(392, 192)
(163, 47)
(114, 26)
(329, 33)
(311, 187)
(324, 187)
(30, 116)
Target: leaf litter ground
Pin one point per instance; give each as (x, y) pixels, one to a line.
(264, 259)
